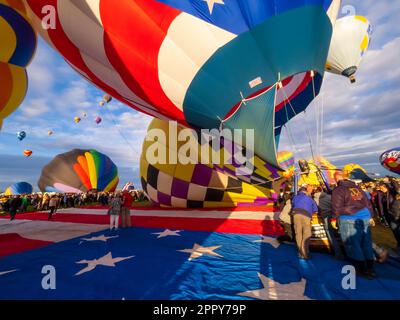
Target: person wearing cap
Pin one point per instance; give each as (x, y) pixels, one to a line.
(303, 208)
(354, 212)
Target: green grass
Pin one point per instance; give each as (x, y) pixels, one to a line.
(383, 236)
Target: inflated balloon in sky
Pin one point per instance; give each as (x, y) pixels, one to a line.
(21, 135)
(19, 188)
(101, 104)
(350, 41)
(201, 62)
(391, 160)
(98, 120)
(50, 133)
(18, 45)
(28, 153)
(107, 98)
(77, 119)
(79, 171)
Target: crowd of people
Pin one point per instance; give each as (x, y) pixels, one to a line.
(348, 211)
(53, 201)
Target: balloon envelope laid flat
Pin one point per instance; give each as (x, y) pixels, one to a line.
(195, 62)
(391, 160)
(79, 171)
(19, 189)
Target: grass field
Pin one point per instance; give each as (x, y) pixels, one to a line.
(383, 236)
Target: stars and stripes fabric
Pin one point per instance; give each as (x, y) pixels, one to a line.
(194, 61)
(153, 263)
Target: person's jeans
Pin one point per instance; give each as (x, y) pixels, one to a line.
(330, 233)
(357, 238)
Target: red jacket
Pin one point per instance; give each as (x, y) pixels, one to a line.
(127, 200)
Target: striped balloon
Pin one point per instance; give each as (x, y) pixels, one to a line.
(19, 189)
(18, 44)
(79, 171)
(287, 162)
(193, 62)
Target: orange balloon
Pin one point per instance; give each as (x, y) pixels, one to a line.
(27, 153)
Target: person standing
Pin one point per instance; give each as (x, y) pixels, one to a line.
(115, 211)
(53, 203)
(127, 200)
(394, 219)
(15, 204)
(303, 208)
(354, 211)
(324, 202)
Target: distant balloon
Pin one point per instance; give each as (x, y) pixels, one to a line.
(21, 135)
(107, 98)
(287, 162)
(350, 40)
(102, 103)
(77, 119)
(19, 189)
(98, 120)
(28, 153)
(84, 114)
(356, 172)
(50, 133)
(79, 171)
(391, 160)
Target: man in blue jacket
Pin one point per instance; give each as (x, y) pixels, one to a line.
(303, 208)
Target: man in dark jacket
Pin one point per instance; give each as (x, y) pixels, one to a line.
(324, 202)
(303, 208)
(15, 204)
(395, 219)
(354, 211)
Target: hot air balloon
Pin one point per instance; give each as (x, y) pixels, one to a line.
(101, 103)
(199, 185)
(287, 162)
(77, 119)
(18, 45)
(79, 171)
(84, 114)
(28, 153)
(98, 120)
(327, 169)
(356, 172)
(19, 188)
(50, 133)
(350, 40)
(21, 135)
(107, 98)
(391, 160)
(203, 65)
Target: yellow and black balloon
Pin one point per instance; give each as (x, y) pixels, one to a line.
(204, 185)
(18, 45)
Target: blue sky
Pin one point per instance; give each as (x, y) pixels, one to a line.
(360, 121)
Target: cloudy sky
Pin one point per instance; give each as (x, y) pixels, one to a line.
(360, 121)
